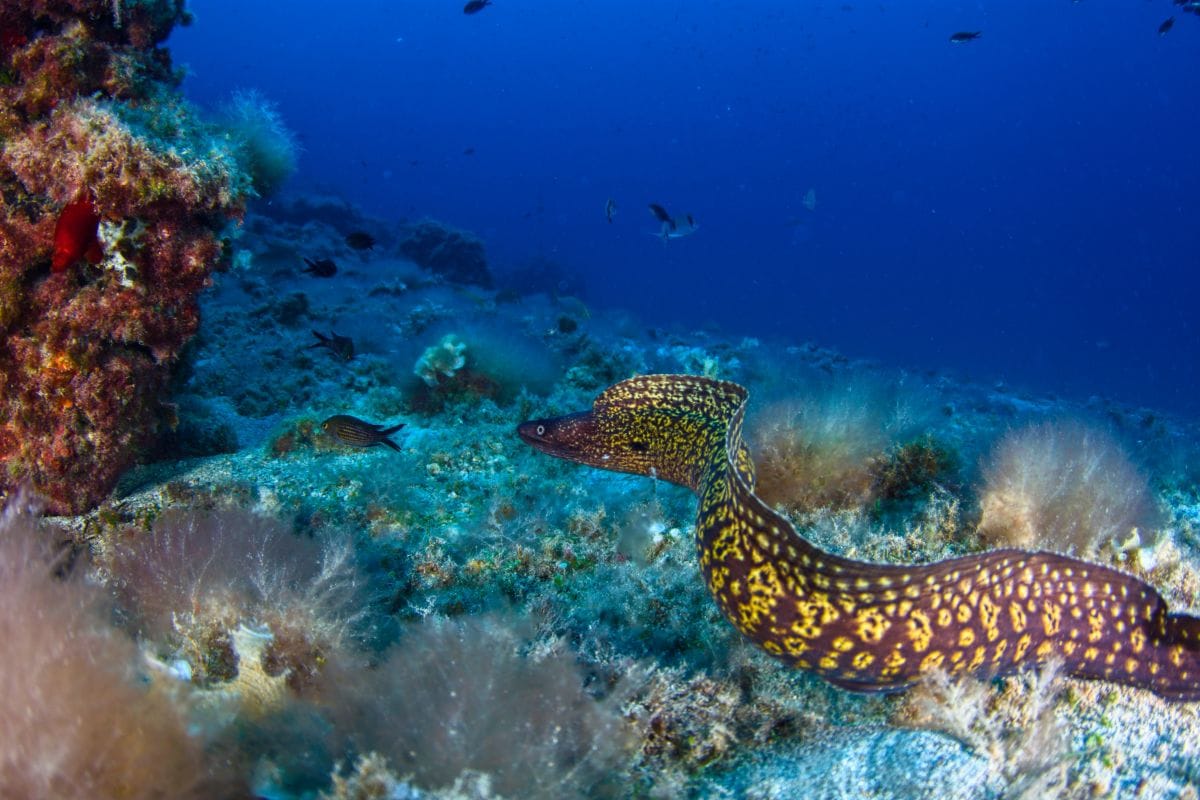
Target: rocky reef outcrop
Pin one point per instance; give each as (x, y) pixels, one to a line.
(115, 196)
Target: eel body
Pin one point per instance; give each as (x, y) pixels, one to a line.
(860, 625)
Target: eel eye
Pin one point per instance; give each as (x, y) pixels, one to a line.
(541, 430)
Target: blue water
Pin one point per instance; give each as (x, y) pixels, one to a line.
(1024, 207)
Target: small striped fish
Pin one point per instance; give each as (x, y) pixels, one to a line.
(359, 433)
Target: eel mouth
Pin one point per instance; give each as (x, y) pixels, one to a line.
(552, 436)
(534, 432)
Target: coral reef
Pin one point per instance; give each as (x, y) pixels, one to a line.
(455, 255)
(1061, 486)
(85, 355)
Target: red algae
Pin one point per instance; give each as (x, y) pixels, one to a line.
(109, 229)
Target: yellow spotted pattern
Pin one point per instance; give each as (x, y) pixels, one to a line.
(860, 625)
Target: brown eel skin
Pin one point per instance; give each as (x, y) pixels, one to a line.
(859, 625)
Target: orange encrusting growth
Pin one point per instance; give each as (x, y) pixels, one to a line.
(864, 626)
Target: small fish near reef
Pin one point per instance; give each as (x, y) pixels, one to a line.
(610, 210)
(475, 6)
(860, 625)
(965, 36)
(1167, 24)
(340, 346)
(360, 240)
(324, 268)
(76, 235)
(359, 433)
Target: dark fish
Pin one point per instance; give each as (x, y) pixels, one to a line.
(1168, 23)
(661, 214)
(470, 151)
(340, 346)
(360, 240)
(965, 36)
(359, 433)
(325, 268)
(610, 209)
(475, 6)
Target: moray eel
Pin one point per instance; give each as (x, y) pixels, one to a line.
(859, 625)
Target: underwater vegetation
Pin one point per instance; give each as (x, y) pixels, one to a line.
(505, 705)
(194, 583)
(265, 147)
(92, 120)
(78, 718)
(840, 446)
(1062, 486)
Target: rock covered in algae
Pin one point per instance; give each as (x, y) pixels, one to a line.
(90, 115)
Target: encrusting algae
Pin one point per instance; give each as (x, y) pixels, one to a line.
(859, 625)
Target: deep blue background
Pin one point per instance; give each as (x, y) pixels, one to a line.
(1024, 207)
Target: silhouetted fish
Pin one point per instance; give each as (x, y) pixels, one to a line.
(965, 36)
(325, 268)
(661, 215)
(475, 6)
(1168, 23)
(672, 227)
(340, 346)
(359, 433)
(610, 209)
(679, 228)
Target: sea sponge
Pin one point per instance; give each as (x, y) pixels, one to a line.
(76, 719)
(1061, 486)
(265, 148)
